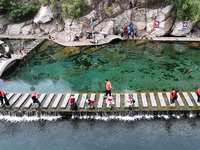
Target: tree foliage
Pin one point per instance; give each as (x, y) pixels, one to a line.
(72, 8)
(17, 11)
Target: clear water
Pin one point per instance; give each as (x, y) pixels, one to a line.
(129, 67)
(157, 134)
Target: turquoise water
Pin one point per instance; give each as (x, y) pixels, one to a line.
(157, 134)
(129, 67)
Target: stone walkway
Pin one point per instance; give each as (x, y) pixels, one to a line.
(86, 42)
(144, 102)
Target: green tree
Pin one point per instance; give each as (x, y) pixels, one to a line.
(72, 8)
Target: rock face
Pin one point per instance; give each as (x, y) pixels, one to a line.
(14, 28)
(178, 28)
(165, 23)
(44, 15)
(27, 29)
(105, 28)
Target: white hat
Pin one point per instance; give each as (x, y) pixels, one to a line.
(72, 96)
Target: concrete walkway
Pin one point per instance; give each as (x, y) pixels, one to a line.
(144, 102)
(86, 42)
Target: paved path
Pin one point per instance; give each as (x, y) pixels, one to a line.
(146, 102)
(7, 63)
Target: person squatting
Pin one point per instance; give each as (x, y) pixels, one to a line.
(35, 99)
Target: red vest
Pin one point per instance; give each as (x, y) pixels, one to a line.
(173, 93)
(34, 95)
(71, 100)
(110, 99)
(198, 91)
(1, 93)
(91, 101)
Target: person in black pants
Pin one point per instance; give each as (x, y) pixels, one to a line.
(3, 96)
(35, 99)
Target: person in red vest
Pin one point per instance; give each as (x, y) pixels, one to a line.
(35, 99)
(173, 96)
(130, 102)
(108, 87)
(72, 103)
(198, 95)
(3, 96)
(71, 100)
(110, 101)
(90, 102)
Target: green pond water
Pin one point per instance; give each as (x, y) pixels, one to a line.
(129, 67)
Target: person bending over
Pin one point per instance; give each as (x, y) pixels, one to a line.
(35, 99)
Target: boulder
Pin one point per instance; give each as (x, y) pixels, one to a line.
(140, 25)
(163, 29)
(4, 21)
(178, 28)
(37, 31)
(27, 29)
(45, 26)
(74, 26)
(123, 19)
(14, 28)
(127, 4)
(105, 28)
(196, 34)
(167, 11)
(44, 15)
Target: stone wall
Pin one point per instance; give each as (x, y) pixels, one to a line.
(121, 13)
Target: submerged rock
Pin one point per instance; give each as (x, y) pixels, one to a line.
(193, 45)
(69, 51)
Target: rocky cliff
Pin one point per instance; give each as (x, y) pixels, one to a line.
(108, 17)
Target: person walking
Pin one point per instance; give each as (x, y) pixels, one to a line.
(108, 87)
(3, 96)
(35, 99)
(173, 96)
(198, 95)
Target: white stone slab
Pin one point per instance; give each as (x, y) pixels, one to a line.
(153, 100)
(117, 100)
(65, 101)
(92, 97)
(9, 95)
(194, 95)
(76, 97)
(168, 97)
(15, 99)
(22, 100)
(144, 100)
(162, 100)
(100, 103)
(135, 97)
(180, 101)
(57, 100)
(48, 100)
(188, 100)
(126, 97)
(82, 103)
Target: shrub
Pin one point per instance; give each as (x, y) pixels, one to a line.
(23, 12)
